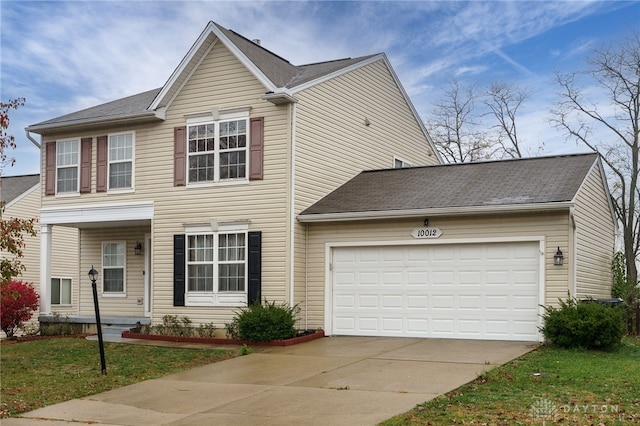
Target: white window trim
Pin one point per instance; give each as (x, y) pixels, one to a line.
(216, 117)
(124, 272)
(133, 163)
(70, 291)
(77, 191)
(215, 298)
(405, 164)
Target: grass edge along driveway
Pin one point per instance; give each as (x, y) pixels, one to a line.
(44, 372)
(547, 386)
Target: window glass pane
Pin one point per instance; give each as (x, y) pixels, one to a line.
(232, 165)
(201, 138)
(67, 179)
(231, 277)
(231, 254)
(113, 254)
(200, 277)
(120, 175)
(55, 291)
(65, 291)
(233, 134)
(201, 167)
(120, 147)
(67, 153)
(113, 280)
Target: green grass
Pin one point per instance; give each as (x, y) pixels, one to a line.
(44, 372)
(549, 385)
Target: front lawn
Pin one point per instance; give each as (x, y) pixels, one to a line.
(546, 386)
(44, 372)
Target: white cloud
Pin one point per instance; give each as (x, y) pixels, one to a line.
(65, 56)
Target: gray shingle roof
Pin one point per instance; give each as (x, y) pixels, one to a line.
(278, 70)
(121, 108)
(11, 187)
(539, 180)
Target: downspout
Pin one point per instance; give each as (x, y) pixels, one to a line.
(574, 254)
(293, 206)
(33, 141)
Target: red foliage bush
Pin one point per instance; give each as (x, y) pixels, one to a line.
(18, 301)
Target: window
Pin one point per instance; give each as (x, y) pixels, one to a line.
(216, 263)
(217, 151)
(61, 291)
(113, 267)
(400, 164)
(120, 161)
(67, 162)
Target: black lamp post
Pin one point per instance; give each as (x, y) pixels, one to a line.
(93, 274)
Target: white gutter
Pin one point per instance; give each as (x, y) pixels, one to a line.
(440, 211)
(142, 117)
(33, 141)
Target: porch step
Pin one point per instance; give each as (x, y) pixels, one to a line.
(115, 329)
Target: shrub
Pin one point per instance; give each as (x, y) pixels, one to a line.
(585, 324)
(18, 301)
(264, 322)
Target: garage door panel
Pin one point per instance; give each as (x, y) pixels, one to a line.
(466, 291)
(417, 301)
(442, 278)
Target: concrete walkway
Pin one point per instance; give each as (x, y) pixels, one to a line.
(330, 381)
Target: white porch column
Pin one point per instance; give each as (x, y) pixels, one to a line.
(45, 269)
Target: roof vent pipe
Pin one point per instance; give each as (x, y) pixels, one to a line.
(257, 41)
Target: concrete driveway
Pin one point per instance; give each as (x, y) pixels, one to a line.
(334, 380)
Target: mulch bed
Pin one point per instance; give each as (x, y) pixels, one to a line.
(305, 337)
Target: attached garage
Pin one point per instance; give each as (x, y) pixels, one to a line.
(465, 251)
(471, 291)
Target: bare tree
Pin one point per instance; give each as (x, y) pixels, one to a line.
(504, 100)
(612, 128)
(455, 126)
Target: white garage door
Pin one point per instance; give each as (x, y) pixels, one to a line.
(465, 291)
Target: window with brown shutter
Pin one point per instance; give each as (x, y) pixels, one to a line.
(85, 165)
(50, 168)
(256, 149)
(101, 164)
(179, 156)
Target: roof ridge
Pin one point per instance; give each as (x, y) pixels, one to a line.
(339, 60)
(258, 45)
(473, 163)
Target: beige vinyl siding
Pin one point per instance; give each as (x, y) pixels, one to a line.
(91, 247)
(595, 238)
(553, 227)
(64, 262)
(333, 144)
(220, 81)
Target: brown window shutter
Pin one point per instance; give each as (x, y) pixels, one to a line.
(85, 165)
(50, 169)
(179, 156)
(256, 149)
(101, 164)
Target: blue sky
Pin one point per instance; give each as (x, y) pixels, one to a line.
(65, 56)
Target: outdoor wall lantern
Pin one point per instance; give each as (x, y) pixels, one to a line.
(138, 249)
(93, 275)
(558, 258)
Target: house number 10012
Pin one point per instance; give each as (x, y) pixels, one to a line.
(426, 233)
